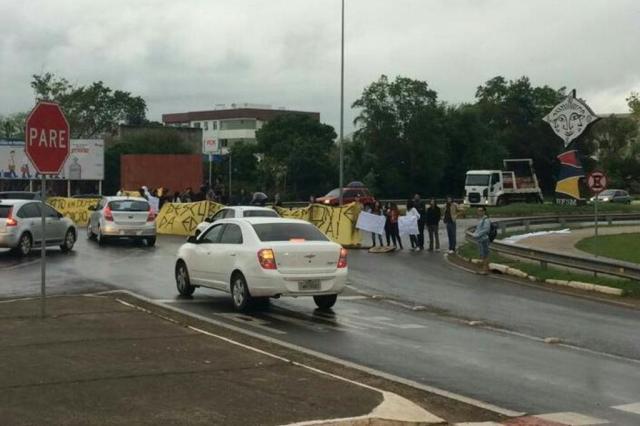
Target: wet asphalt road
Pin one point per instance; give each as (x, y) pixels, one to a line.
(503, 360)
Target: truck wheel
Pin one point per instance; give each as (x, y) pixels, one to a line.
(501, 201)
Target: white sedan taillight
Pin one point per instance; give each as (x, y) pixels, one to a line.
(267, 259)
(342, 260)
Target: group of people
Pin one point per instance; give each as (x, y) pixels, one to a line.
(428, 217)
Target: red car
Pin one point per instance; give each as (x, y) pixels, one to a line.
(350, 194)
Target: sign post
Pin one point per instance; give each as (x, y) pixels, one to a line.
(597, 182)
(47, 146)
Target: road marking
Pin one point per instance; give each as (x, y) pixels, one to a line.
(352, 297)
(199, 300)
(252, 321)
(372, 371)
(571, 419)
(21, 265)
(302, 323)
(479, 424)
(389, 322)
(629, 408)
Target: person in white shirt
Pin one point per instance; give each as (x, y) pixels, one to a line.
(412, 211)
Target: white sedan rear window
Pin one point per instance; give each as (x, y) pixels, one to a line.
(288, 232)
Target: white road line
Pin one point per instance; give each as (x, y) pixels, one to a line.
(185, 300)
(21, 265)
(571, 419)
(253, 322)
(302, 323)
(389, 322)
(479, 424)
(330, 358)
(352, 297)
(629, 408)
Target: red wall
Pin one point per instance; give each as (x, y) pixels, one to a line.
(175, 172)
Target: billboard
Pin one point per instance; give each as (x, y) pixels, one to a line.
(170, 171)
(85, 162)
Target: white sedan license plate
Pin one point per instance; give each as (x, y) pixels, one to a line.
(309, 285)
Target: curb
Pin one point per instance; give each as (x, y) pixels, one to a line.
(507, 270)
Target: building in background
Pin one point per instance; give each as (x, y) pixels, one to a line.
(221, 128)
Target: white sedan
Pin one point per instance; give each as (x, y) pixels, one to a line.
(236, 212)
(258, 258)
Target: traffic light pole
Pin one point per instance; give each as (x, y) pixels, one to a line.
(43, 249)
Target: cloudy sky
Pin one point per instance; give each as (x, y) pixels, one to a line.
(192, 54)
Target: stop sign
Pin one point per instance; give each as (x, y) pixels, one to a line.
(47, 138)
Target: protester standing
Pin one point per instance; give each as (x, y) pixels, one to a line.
(422, 210)
(414, 238)
(386, 211)
(433, 220)
(481, 235)
(450, 217)
(394, 214)
(277, 202)
(376, 210)
(187, 195)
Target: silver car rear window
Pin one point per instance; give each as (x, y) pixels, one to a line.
(129, 206)
(4, 211)
(288, 231)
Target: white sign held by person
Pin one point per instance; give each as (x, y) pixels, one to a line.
(408, 225)
(371, 222)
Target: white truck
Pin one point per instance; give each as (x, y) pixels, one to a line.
(517, 182)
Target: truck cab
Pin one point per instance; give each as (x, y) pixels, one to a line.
(517, 182)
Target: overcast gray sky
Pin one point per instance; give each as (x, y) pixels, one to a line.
(192, 54)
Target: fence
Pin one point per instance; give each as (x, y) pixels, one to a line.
(590, 264)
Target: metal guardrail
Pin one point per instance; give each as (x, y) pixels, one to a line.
(596, 265)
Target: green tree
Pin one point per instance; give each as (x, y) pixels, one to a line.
(92, 110)
(12, 126)
(299, 147)
(513, 111)
(245, 160)
(634, 105)
(469, 146)
(402, 125)
(615, 142)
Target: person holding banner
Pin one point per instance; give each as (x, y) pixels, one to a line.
(414, 238)
(377, 210)
(392, 217)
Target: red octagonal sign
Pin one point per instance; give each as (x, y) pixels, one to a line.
(47, 138)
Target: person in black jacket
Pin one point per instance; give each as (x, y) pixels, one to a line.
(433, 219)
(419, 205)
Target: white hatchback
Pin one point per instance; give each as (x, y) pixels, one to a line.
(254, 259)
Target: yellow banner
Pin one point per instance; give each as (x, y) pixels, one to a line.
(77, 209)
(337, 223)
(182, 218)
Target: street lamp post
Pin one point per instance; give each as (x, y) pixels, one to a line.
(341, 147)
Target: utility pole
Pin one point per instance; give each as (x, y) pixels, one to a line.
(341, 142)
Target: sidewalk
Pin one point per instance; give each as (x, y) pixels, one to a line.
(566, 243)
(100, 360)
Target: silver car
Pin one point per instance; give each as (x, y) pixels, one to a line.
(122, 217)
(21, 226)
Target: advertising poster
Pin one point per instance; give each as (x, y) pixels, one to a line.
(85, 162)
